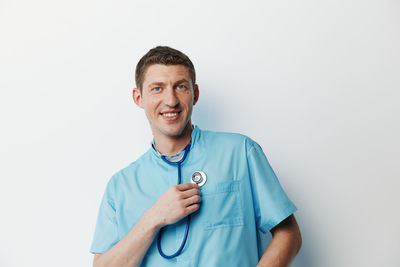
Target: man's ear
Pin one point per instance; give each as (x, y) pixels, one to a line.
(137, 97)
(196, 94)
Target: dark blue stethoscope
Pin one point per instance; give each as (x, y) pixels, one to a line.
(199, 178)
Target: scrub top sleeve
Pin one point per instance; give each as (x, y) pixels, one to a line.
(106, 233)
(271, 203)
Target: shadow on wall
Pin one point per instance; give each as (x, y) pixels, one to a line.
(208, 115)
(304, 258)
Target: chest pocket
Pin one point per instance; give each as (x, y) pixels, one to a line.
(221, 205)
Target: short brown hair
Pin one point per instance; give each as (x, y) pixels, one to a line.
(166, 56)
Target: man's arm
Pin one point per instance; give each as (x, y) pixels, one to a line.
(285, 244)
(176, 203)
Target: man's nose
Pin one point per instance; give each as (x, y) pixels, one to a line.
(170, 98)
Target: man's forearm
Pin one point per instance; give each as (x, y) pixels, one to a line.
(130, 250)
(285, 245)
(174, 204)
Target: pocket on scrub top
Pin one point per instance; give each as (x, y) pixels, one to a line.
(221, 205)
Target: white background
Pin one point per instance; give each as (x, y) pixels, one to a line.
(316, 83)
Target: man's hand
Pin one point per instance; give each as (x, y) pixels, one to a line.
(175, 203)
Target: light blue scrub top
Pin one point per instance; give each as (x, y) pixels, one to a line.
(242, 195)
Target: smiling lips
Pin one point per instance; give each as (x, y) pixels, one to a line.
(170, 116)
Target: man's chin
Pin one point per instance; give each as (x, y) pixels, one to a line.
(174, 131)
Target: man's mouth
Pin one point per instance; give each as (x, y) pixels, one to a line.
(170, 115)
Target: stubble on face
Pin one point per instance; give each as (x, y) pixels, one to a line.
(168, 96)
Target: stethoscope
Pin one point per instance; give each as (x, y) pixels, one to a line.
(199, 178)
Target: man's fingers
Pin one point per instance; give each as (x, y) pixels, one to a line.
(187, 186)
(192, 208)
(192, 200)
(189, 193)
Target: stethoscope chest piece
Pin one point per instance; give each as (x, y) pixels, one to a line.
(199, 178)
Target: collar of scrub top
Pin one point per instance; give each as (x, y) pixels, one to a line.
(195, 135)
(177, 162)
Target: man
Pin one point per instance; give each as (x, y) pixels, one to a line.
(148, 218)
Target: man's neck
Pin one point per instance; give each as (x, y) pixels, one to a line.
(171, 145)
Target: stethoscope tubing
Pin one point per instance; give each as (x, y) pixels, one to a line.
(179, 251)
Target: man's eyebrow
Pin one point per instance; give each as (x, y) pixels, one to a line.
(180, 81)
(156, 84)
(162, 83)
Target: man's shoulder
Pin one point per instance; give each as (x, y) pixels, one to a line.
(230, 136)
(131, 168)
(223, 138)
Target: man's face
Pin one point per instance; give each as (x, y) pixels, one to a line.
(167, 98)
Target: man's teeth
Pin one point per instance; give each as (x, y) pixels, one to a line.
(170, 114)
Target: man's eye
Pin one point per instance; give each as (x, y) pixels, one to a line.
(181, 86)
(157, 89)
